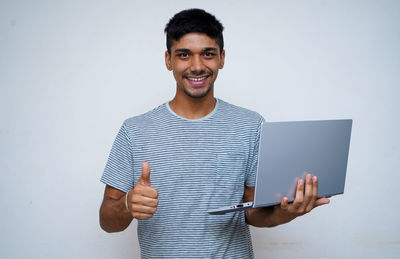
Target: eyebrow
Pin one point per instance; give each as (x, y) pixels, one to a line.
(182, 50)
(210, 49)
(188, 50)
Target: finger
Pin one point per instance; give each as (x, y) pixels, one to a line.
(308, 192)
(140, 215)
(138, 208)
(142, 200)
(284, 203)
(146, 191)
(145, 177)
(299, 194)
(315, 186)
(311, 205)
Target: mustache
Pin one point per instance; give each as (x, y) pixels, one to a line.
(198, 73)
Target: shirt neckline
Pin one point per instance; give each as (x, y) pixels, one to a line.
(194, 120)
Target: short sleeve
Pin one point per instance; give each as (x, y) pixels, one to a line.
(118, 172)
(253, 158)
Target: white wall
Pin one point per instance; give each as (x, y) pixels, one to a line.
(72, 71)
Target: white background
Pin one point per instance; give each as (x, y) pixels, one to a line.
(72, 71)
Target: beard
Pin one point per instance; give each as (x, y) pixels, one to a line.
(200, 73)
(198, 95)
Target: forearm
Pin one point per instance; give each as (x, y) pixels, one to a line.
(114, 217)
(267, 217)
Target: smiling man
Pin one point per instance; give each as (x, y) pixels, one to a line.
(201, 153)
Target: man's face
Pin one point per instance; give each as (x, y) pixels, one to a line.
(195, 60)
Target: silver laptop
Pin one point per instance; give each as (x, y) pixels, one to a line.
(289, 150)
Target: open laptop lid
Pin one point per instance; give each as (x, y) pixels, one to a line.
(287, 150)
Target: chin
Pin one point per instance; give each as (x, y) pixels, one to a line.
(197, 95)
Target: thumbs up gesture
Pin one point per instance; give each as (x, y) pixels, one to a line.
(142, 200)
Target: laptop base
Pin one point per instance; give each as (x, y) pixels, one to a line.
(227, 209)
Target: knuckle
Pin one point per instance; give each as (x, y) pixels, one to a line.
(138, 188)
(134, 208)
(156, 203)
(154, 193)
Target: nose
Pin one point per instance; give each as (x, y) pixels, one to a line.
(196, 64)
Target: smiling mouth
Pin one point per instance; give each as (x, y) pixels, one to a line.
(196, 79)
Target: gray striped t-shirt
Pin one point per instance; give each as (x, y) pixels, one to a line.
(195, 165)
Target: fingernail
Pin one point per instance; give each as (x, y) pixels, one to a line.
(315, 178)
(309, 177)
(300, 182)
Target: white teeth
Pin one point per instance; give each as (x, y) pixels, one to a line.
(196, 79)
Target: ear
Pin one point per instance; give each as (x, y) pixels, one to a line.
(222, 60)
(168, 61)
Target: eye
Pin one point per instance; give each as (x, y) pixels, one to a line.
(209, 55)
(183, 55)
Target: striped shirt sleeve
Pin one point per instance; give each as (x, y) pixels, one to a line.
(118, 172)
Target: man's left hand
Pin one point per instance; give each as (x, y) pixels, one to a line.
(306, 198)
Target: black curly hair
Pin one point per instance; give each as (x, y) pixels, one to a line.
(194, 20)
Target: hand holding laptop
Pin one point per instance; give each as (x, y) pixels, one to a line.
(306, 198)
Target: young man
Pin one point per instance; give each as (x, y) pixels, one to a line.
(202, 153)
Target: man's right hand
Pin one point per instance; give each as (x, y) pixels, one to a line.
(142, 200)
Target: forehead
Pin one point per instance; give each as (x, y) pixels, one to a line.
(194, 41)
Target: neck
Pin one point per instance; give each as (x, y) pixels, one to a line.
(193, 108)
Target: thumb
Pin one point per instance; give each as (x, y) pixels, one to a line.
(321, 201)
(145, 178)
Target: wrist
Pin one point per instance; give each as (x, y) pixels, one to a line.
(282, 216)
